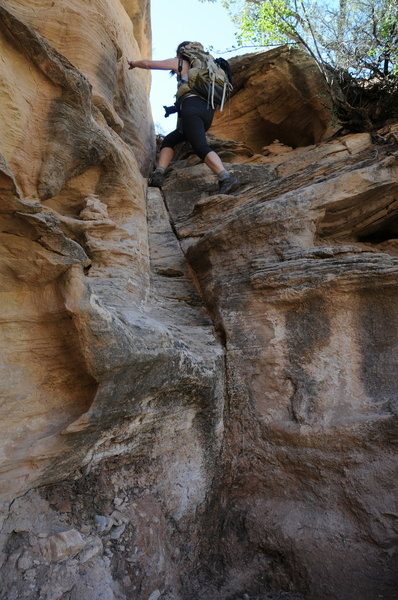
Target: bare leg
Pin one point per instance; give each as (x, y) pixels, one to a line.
(213, 161)
(165, 157)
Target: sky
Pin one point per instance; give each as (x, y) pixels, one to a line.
(174, 21)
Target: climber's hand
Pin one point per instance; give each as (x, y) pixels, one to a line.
(131, 64)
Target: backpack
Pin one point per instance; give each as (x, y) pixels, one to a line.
(209, 78)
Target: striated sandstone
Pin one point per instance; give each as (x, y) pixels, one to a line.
(106, 350)
(279, 94)
(299, 271)
(198, 391)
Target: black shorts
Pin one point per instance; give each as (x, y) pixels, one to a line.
(196, 118)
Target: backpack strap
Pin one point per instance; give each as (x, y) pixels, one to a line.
(223, 96)
(179, 70)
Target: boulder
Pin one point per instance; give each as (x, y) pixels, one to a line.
(280, 94)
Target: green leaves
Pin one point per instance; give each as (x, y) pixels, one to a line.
(268, 23)
(355, 43)
(358, 35)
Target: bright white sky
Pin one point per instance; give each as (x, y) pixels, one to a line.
(174, 21)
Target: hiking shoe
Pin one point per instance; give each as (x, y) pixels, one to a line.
(228, 185)
(156, 179)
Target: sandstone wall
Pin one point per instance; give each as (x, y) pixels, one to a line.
(67, 113)
(198, 391)
(299, 271)
(279, 94)
(106, 351)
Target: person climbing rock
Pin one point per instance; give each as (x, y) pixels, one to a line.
(202, 84)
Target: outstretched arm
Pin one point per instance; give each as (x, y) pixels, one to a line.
(170, 64)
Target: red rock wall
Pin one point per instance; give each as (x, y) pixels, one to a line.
(196, 408)
(112, 387)
(279, 94)
(298, 269)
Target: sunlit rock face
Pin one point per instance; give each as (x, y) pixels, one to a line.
(279, 94)
(67, 115)
(198, 392)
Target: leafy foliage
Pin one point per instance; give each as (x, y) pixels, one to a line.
(355, 43)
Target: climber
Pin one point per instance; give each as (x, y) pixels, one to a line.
(195, 117)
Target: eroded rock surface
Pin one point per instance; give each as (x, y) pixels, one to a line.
(106, 348)
(279, 94)
(299, 271)
(198, 391)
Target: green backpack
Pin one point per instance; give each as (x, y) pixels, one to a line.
(206, 77)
